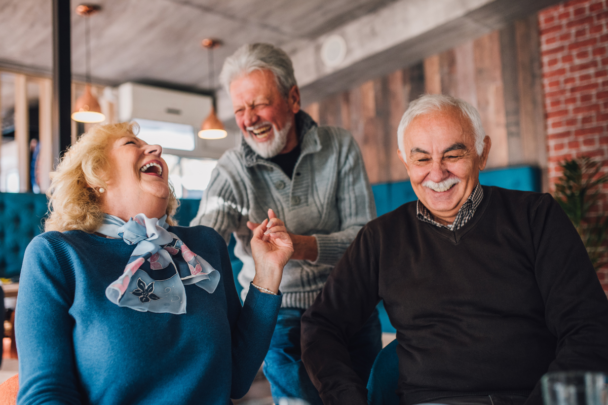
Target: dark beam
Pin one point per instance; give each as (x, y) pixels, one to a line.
(62, 75)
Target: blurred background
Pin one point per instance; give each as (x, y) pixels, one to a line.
(537, 71)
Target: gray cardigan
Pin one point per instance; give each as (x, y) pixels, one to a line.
(329, 197)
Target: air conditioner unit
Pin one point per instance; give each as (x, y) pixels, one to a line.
(170, 118)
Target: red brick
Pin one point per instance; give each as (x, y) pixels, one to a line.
(559, 135)
(570, 100)
(593, 153)
(550, 40)
(589, 142)
(587, 109)
(565, 37)
(555, 83)
(580, 33)
(604, 61)
(601, 16)
(604, 38)
(601, 95)
(560, 158)
(590, 86)
(559, 146)
(604, 141)
(585, 98)
(571, 3)
(557, 72)
(557, 124)
(588, 131)
(555, 103)
(548, 20)
(567, 59)
(552, 51)
(593, 7)
(580, 21)
(565, 15)
(596, 29)
(601, 118)
(601, 73)
(580, 11)
(582, 55)
(552, 62)
(573, 145)
(598, 51)
(557, 93)
(553, 28)
(571, 122)
(581, 44)
(584, 78)
(555, 114)
(587, 120)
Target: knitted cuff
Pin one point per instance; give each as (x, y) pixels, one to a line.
(330, 249)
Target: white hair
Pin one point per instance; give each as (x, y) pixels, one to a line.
(437, 102)
(259, 56)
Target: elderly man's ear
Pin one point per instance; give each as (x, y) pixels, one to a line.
(487, 144)
(293, 99)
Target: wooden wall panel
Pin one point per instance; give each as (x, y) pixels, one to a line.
(432, 75)
(22, 132)
(499, 74)
(490, 97)
(532, 113)
(465, 73)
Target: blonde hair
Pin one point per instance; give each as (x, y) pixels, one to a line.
(74, 202)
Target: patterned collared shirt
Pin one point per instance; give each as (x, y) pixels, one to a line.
(465, 213)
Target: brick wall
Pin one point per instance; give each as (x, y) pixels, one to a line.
(574, 46)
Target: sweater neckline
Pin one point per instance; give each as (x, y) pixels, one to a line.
(457, 235)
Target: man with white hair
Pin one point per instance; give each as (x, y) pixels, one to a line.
(488, 288)
(315, 181)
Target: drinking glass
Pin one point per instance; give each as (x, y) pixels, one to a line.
(574, 388)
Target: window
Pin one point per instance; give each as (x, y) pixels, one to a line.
(189, 176)
(167, 134)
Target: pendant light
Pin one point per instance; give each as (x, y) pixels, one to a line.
(212, 127)
(87, 107)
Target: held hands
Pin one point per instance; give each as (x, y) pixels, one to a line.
(271, 248)
(305, 247)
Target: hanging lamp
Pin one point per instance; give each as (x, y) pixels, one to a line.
(87, 108)
(212, 127)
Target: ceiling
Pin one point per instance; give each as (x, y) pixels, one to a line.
(159, 40)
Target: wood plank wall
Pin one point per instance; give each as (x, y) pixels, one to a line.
(499, 74)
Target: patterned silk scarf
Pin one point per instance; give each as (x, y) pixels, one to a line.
(152, 281)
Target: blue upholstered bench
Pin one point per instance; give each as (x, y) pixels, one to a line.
(21, 216)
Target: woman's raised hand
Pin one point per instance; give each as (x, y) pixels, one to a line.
(271, 248)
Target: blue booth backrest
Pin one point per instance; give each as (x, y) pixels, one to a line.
(21, 215)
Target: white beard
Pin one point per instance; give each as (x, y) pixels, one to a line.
(272, 148)
(442, 185)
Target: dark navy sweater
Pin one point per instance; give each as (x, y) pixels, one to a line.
(484, 310)
(75, 346)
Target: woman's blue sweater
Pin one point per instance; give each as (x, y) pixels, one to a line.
(75, 346)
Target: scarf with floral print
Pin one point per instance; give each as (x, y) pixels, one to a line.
(155, 276)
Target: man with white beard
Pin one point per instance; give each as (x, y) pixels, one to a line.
(488, 288)
(315, 181)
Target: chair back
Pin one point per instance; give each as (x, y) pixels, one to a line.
(384, 377)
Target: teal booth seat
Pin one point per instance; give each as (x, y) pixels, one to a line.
(21, 216)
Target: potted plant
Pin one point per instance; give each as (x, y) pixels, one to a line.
(577, 191)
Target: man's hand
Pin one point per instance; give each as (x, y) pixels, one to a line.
(304, 247)
(271, 249)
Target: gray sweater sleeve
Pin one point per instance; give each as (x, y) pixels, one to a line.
(355, 203)
(219, 208)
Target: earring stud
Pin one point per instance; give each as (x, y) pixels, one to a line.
(102, 190)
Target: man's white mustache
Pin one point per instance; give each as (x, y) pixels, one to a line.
(441, 186)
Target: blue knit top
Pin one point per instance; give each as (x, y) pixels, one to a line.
(75, 346)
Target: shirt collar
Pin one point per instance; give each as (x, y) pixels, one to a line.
(465, 213)
(308, 139)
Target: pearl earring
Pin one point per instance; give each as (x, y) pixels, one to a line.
(102, 190)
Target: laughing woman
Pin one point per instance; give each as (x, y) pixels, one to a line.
(117, 305)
